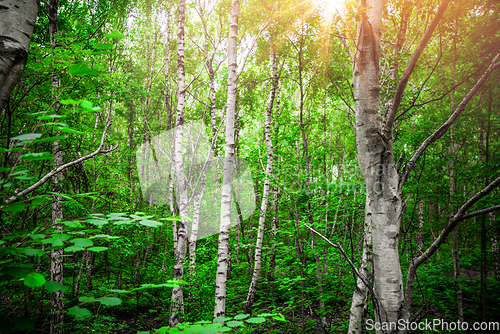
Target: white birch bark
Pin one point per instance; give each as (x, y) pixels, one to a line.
(225, 216)
(17, 22)
(265, 192)
(177, 306)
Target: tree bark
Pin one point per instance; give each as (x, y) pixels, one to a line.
(177, 306)
(226, 196)
(265, 192)
(16, 29)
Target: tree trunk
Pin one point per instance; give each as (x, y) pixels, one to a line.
(265, 192)
(375, 153)
(18, 22)
(177, 306)
(225, 215)
(359, 298)
(56, 259)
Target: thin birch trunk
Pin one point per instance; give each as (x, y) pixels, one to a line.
(265, 192)
(56, 259)
(177, 306)
(225, 216)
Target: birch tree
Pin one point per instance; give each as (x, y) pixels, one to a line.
(227, 179)
(177, 307)
(383, 181)
(17, 22)
(267, 181)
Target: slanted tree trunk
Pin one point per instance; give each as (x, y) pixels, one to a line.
(226, 196)
(16, 29)
(177, 306)
(265, 192)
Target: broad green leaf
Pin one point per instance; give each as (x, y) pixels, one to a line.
(97, 222)
(151, 223)
(79, 312)
(69, 101)
(61, 236)
(110, 301)
(115, 34)
(104, 46)
(73, 249)
(28, 136)
(49, 117)
(18, 272)
(84, 299)
(143, 332)
(241, 316)
(81, 70)
(81, 242)
(73, 224)
(34, 280)
(234, 323)
(97, 249)
(54, 241)
(86, 104)
(256, 320)
(267, 314)
(69, 130)
(103, 53)
(48, 139)
(31, 251)
(37, 236)
(222, 319)
(37, 201)
(37, 156)
(52, 286)
(15, 207)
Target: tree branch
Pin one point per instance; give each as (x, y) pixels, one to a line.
(444, 128)
(398, 96)
(59, 169)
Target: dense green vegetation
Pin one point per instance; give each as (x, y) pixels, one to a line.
(117, 65)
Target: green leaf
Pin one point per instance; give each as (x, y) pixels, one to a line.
(143, 332)
(151, 223)
(37, 236)
(256, 320)
(81, 242)
(73, 224)
(61, 236)
(110, 301)
(86, 105)
(37, 156)
(81, 70)
(73, 249)
(49, 117)
(54, 241)
(28, 136)
(104, 46)
(97, 249)
(84, 299)
(69, 130)
(48, 139)
(34, 280)
(52, 286)
(15, 207)
(279, 317)
(18, 272)
(79, 312)
(97, 222)
(31, 251)
(115, 34)
(241, 316)
(69, 101)
(103, 53)
(234, 323)
(222, 319)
